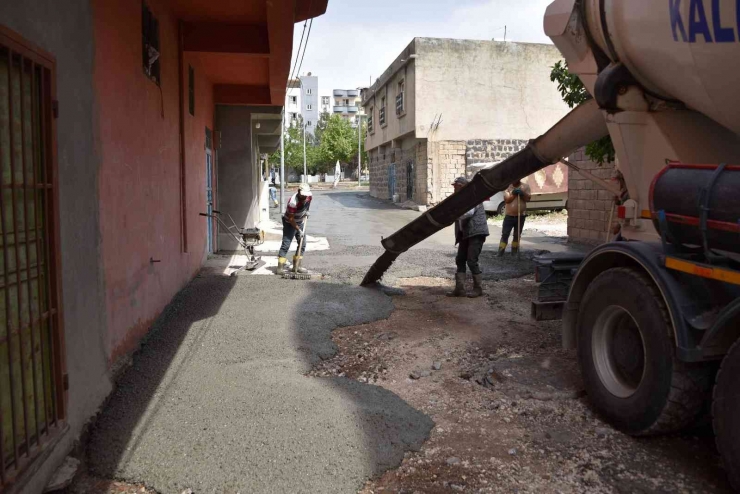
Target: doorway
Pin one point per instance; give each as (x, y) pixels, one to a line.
(209, 197)
(410, 180)
(391, 180)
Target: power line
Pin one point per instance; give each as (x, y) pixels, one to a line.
(306, 45)
(298, 51)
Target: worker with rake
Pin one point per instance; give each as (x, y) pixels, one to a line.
(516, 197)
(293, 220)
(471, 230)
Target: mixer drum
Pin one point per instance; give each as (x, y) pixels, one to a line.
(680, 191)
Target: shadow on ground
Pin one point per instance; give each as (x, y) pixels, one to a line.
(217, 399)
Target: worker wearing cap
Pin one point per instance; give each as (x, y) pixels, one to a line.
(293, 220)
(471, 230)
(516, 197)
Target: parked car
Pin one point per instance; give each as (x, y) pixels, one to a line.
(554, 198)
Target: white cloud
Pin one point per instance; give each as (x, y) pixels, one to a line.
(351, 43)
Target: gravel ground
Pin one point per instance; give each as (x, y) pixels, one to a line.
(507, 401)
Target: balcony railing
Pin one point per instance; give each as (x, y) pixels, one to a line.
(340, 109)
(340, 92)
(353, 109)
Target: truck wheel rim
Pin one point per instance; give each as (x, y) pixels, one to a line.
(618, 350)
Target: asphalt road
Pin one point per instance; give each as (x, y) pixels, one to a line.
(355, 223)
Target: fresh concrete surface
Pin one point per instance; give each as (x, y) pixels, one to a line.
(217, 399)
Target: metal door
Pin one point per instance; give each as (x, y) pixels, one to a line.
(391, 180)
(410, 180)
(209, 197)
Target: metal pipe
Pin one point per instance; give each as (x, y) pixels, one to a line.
(282, 158)
(581, 126)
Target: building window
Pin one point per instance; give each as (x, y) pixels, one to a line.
(381, 112)
(324, 100)
(370, 128)
(308, 123)
(293, 116)
(191, 90)
(346, 102)
(294, 100)
(309, 90)
(32, 372)
(400, 98)
(150, 43)
(309, 107)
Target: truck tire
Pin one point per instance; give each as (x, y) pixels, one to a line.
(627, 357)
(726, 413)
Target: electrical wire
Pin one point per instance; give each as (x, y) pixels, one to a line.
(306, 45)
(298, 51)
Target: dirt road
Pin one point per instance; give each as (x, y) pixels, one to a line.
(507, 402)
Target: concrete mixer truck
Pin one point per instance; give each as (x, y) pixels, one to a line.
(655, 313)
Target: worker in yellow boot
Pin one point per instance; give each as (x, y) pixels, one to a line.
(516, 197)
(293, 220)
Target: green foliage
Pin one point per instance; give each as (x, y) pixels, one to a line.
(573, 93)
(293, 148)
(335, 140)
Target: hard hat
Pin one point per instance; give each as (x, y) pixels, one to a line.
(305, 190)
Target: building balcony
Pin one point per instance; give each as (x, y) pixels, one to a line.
(346, 109)
(346, 93)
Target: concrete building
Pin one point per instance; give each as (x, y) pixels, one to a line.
(348, 104)
(444, 104)
(120, 122)
(302, 98)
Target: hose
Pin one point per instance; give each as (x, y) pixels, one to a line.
(583, 125)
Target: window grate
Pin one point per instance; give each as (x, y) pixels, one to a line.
(399, 104)
(31, 369)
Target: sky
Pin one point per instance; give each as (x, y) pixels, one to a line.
(357, 40)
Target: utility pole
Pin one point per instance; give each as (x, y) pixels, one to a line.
(305, 174)
(282, 158)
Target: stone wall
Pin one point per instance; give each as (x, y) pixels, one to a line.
(492, 150)
(434, 166)
(381, 160)
(450, 156)
(589, 205)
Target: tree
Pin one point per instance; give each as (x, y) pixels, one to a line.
(337, 142)
(573, 93)
(294, 148)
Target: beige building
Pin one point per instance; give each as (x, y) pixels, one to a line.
(444, 104)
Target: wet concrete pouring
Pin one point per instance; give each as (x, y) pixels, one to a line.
(257, 384)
